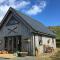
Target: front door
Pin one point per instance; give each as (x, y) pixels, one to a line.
(13, 43)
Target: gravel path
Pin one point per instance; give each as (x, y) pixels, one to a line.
(21, 58)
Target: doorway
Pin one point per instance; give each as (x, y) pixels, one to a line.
(13, 43)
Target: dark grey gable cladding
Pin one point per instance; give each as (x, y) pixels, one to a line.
(37, 26)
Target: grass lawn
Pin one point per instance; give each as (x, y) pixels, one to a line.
(49, 56)
(56, 56)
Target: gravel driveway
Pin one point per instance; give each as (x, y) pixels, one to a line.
(21, 58)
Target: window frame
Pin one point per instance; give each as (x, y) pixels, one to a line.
(12, 18)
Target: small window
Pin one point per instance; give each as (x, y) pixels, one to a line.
(40, 40)
(12, 21)
(48, 41)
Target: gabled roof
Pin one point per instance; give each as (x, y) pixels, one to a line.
(37, 26)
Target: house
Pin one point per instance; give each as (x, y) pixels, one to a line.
(19, 32)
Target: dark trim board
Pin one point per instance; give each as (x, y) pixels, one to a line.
(42, 34)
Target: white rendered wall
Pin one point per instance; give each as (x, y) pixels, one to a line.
(51, 44)
(39, 47)
(54, 43)
(45, 39)
(44, 42)
(36, 41)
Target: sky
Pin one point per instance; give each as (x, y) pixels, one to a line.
(45, 11)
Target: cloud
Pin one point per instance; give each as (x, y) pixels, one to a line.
(22, 4)
(34, 10)
(5, 4)
(1, 1)
(37, 8)
(27, 6)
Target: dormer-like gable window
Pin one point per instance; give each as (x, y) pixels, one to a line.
(12, 21)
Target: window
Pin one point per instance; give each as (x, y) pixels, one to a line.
(48, 41)
(12, 21)
(40, 40)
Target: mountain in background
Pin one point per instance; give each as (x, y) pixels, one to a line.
(56, 30)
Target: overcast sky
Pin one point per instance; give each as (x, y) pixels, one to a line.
(45, 11)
